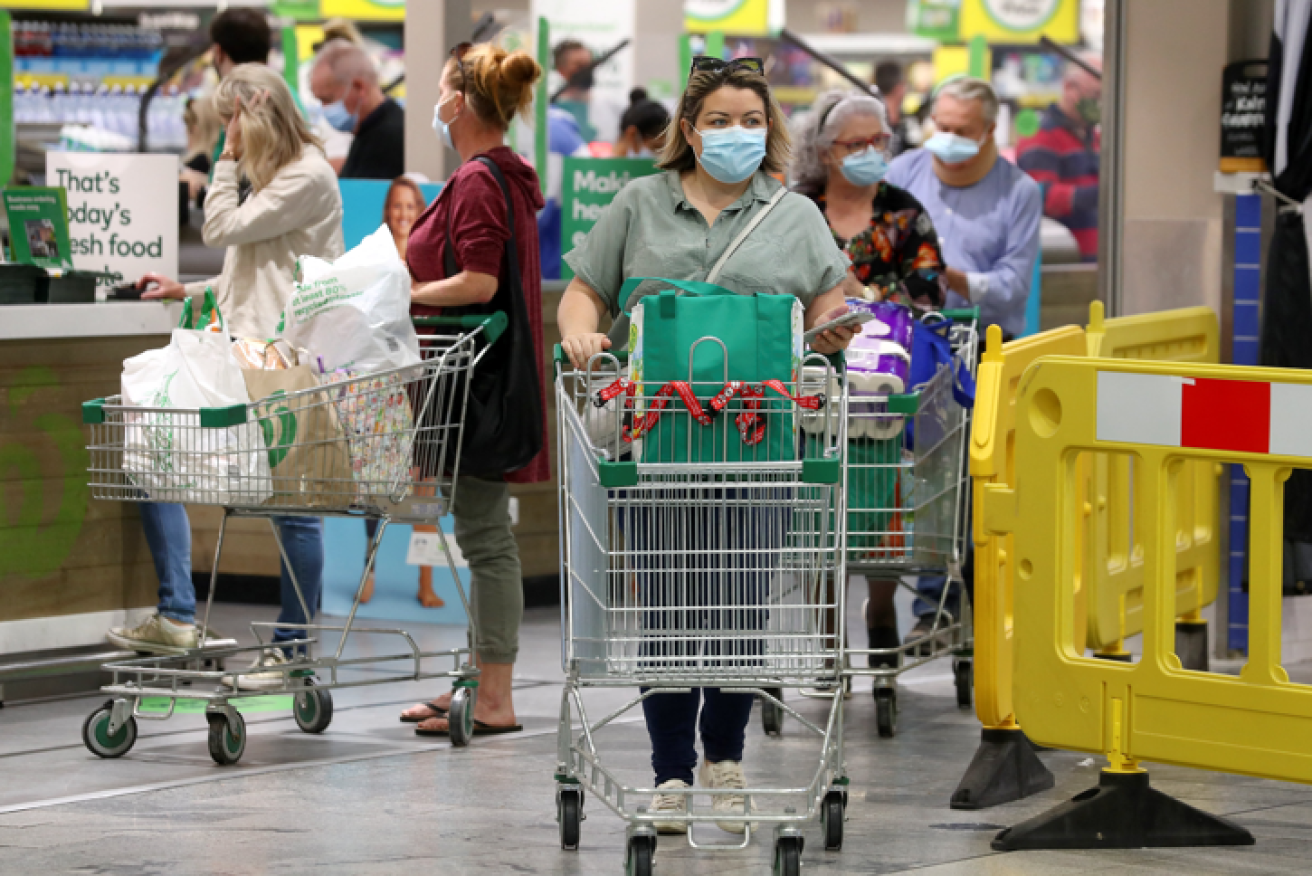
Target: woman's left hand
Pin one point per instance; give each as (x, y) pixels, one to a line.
(232, 139)
(835, 339)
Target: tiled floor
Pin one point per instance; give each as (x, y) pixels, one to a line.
(369, 797)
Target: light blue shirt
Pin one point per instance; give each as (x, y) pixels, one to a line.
(989, 230)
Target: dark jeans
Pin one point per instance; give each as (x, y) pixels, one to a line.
(704, 559)
(672, 725)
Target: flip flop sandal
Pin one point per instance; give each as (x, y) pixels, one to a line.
(480, 729)
(438, 712)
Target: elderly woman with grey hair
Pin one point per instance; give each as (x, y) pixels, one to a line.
(840, 164)
(841, 161)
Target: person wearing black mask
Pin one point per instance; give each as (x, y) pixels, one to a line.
(573, 61)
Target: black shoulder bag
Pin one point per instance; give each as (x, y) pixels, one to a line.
(503, 417)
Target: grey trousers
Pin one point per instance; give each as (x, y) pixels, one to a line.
(496, 585)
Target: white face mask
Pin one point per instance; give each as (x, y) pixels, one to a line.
(443, 129)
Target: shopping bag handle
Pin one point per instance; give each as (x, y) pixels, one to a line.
(692, 287)
(494, 325)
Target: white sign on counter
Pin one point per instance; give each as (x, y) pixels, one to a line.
(122, 211)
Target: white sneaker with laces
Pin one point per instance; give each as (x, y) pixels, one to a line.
(262, 680)
(726, 774)
(675, 804)
(155, 635)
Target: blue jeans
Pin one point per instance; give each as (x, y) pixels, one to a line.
(930, 590)
(672, 725)
(168, 533)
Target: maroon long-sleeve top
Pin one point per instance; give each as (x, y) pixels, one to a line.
(472, 203)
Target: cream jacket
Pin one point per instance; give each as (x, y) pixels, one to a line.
(298, 213)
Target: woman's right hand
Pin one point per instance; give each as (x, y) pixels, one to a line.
(582, 347)
(165, 287)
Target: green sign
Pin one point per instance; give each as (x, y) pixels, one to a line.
(935, 19)
(6, 99)
(38, 226)
(588, 185)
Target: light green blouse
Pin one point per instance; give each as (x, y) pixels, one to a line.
(652, 230)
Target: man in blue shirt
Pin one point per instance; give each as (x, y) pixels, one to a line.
(986, 210)
(987, 213)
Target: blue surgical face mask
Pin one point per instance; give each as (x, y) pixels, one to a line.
(952, 149)
(866, 167)
(731, 155)
(337, 115)
(443, 129)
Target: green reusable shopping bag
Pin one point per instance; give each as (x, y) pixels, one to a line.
(762, 335)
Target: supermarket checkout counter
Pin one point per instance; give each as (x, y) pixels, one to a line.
(70, 566)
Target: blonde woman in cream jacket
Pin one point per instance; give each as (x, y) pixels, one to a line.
(293, 209)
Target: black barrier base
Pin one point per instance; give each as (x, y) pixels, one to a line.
(1123, 812)
(1004, 769)
(1191, 644)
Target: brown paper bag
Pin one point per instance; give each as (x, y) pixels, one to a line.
(308, 454)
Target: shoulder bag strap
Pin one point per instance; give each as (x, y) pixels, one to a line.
(512, 255)
(751, 226)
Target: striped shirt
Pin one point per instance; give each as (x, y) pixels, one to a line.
(1063, 158)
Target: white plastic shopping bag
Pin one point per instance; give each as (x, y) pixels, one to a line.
(167, 451)
(355, 312)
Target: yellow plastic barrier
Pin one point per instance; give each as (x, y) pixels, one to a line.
(1114, 536)
(1167, 416)
(1004, 767)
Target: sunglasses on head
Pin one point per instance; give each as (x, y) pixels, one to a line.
(711, 64)
(458, 54)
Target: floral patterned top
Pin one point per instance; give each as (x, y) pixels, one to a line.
(898, 256)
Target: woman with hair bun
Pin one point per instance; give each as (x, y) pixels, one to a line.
(642, 127)
(466, 249)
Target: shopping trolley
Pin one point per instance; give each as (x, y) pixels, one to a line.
(696, 573)
(908, 493)
(385, 446)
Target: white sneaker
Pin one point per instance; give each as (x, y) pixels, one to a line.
(155, 635)
(262, 680)
(672, 803)
(726, 774)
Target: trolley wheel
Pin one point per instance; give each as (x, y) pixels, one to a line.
(886, 711)
(97, 738)
(831, 819)
(227, 739)
(313, 708)
(569, 812)
(788, 856)
(640, 856)
(460, 717)
(964, 676)
(772, 715)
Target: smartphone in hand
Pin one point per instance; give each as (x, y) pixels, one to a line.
(847, 320)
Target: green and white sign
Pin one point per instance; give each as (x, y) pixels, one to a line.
(588, 186)
(38, 226)
(122, 212)
(935, 19)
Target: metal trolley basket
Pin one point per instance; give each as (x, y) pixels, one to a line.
(389, 451)
(687, 574)
(908, 494)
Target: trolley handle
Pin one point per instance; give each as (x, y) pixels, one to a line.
(558, 356)
(960, 314)
(494, 325)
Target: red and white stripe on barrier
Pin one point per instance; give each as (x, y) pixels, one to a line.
(1205, 414)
